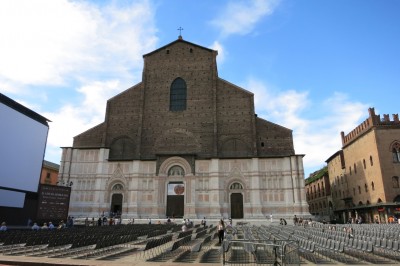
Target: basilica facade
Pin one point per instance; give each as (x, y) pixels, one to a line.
(184, 143)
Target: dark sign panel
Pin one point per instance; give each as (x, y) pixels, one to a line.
(53, 202)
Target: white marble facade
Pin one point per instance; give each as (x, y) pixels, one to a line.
(267, 185)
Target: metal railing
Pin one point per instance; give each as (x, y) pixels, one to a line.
(260, 252)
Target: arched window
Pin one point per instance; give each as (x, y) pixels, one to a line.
(372, 186)
(371, 161)
(177, 98)
(117, 187)
(395, 181)
(355, 168)
(236, 185)
(396, 152)
(176, 170)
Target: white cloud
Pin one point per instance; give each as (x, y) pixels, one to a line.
(240, 17)
(221, 51)
(317, 138)
(71, 120)
(48, 41)
(85, 52)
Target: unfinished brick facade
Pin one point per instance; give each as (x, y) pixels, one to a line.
(183, 115)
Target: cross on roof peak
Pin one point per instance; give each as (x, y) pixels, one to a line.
(180, 32)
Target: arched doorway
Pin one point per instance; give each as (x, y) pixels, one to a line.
(116, 204)
(175, 199)
(236, 205)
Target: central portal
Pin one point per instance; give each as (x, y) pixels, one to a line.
(175, 200)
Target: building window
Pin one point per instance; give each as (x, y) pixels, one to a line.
(350, 169)
(178, 95)
(371, 161)
(48, 178)
(359, 190)
(366, 188)
(395, 181)
(365, 165)
(396, 152)
(372, 186)
(355, 169)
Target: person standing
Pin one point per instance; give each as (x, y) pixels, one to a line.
(51, 226)
(3, 226)
(221, 231)
(203, 222)
(35, 227)
(184, 227)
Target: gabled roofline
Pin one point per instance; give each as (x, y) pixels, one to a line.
(236, 86)
(179, 40)
(267, 121)
(333, 156)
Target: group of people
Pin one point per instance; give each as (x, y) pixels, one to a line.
(186, 223)
(301, 221)
(48, 226)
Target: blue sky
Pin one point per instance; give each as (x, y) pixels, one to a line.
(314, 66)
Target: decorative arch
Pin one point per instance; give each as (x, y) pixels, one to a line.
(177, 97)
(122, 148)
(116, 190)
(117, 187)
(117, 177)
(176, 170)
(236, 186)
(175, 161)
